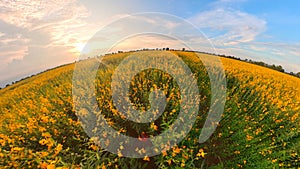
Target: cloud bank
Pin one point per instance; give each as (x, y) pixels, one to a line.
(36, 35)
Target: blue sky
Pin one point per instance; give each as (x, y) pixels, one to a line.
(37, 35)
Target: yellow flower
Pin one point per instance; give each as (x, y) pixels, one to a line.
(146, 158)
(43, 165)
(51, 166)
(153, 126)
(47, 134)
(185, 156)
(43, 142)
(249, 138)
(1, 155)
(94, 147)
(201, 153)
(2, 142)
(182, 164)
(44, 154)
(45, 119)
(58, 148)
(17, 149)
(120, 154)
(42, 129)
(176, 150)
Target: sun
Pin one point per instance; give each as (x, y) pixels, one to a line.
(79, 47)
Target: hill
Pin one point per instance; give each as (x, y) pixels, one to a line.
(259, 127)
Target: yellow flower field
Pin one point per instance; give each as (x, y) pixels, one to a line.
(259, 128)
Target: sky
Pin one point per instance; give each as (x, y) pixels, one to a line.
(36, 35)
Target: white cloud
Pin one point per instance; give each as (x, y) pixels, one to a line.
(229, 27)
(12, 47)
(60, 20)
(36, 34)
(25, 13)
(235, 33)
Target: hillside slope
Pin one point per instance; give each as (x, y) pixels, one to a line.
(259, 128)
